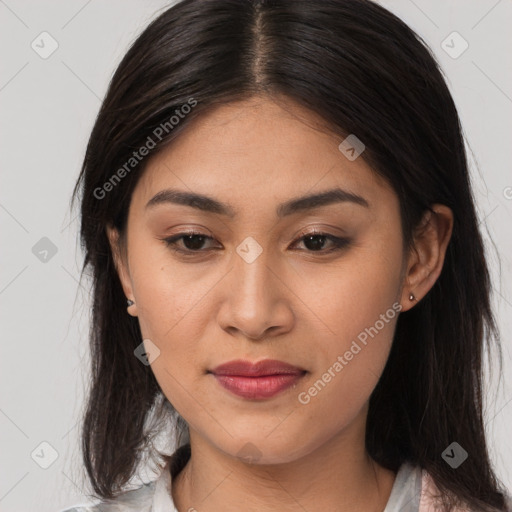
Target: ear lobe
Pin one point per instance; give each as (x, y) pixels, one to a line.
(427, 256)
(120, 264)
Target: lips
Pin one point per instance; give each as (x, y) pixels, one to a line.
(261, 368)
(257, 381)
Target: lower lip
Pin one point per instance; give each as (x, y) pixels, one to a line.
(258, 388)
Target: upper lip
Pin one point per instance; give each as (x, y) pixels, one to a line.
(248, 369)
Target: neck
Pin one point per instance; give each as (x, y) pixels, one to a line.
(338, 475)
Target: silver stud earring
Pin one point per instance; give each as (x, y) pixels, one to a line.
(130, 302)
(412, 297)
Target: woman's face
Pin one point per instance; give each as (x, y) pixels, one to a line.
(256, 287)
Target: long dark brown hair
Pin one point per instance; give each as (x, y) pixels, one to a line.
(365, 72)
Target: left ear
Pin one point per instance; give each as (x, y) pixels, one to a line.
(426, 257)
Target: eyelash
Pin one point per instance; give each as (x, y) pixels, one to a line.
(339, 243)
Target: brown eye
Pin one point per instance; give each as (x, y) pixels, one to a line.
(315, 242)
(192, 242)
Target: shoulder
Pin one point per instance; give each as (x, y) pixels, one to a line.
(135, 500)
(430, 492)
(79, 508)
(430, 495)
(154, 496)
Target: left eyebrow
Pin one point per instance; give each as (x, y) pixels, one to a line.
(208, 204)
(335, 195)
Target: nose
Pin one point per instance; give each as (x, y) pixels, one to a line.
(256, 300)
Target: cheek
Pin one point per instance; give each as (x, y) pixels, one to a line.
(353, 294)
(170, 307)
(359, 307)
(169, 304)
(348, 368)
(166, 291)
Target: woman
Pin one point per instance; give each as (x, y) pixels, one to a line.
(285, 254)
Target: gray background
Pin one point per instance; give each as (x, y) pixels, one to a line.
(47, 111)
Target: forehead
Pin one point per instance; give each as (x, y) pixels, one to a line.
(249, 151)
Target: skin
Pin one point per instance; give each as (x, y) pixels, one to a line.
(296, 302)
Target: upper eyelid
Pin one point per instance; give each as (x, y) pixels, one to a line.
(303, 233)
(173, 239)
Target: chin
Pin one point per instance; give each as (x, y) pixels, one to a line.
(260, 450)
